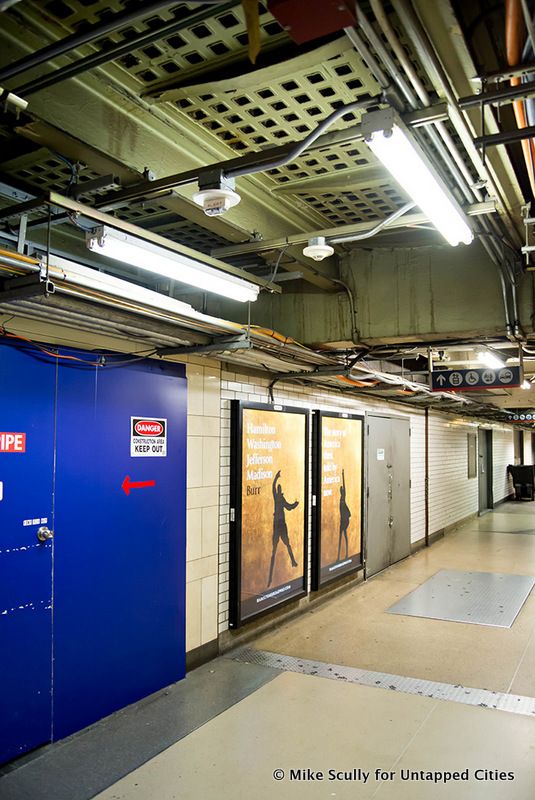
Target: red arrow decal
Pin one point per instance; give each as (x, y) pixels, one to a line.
(127, 484)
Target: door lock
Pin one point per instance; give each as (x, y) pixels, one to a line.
(44, 533)
(390, 522)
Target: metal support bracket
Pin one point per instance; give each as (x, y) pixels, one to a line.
(24, 287)
(221, 344)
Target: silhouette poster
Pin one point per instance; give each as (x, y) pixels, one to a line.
(272, 507)
(338, 490)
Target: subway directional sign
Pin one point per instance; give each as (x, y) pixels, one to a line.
(467, 380)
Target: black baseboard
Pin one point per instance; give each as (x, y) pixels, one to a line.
(200, 655)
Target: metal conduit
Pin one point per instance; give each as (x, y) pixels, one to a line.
(418, 36)
(97, 59)
(469, 191)
(91, 34)
(440, 138)
(411, 98)
(356, 237)
(300, 147)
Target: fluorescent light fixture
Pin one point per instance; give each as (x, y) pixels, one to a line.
(490, 360)
(402, 156)
(129, 249)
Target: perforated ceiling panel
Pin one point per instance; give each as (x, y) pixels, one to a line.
(260, 108)
(206, 34)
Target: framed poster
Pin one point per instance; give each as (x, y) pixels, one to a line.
(268, 514)
(337, 496)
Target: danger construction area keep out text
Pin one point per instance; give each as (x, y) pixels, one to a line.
(148, 437)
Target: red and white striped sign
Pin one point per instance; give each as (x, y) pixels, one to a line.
(12, 442)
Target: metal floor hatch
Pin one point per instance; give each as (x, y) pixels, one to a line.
(480, 598)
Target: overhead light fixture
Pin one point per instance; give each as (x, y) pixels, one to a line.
(121, 246)
(318, 249)
(490, 359)
(216, 193)
(390, 141)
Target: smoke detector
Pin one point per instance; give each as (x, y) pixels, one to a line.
(318, 249)
(216, 194)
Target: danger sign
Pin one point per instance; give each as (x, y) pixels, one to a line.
(12, 442)
(148, 437)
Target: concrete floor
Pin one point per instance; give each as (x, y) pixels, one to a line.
(227, 729)
(354, 630)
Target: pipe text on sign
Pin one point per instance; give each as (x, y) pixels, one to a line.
(12, 442)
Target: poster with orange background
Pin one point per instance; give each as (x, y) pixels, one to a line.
(273, 509)
(338, 489)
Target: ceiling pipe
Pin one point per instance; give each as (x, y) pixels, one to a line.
(514, 35)
(441, 137)
(304, 144)
(414, 29)
(357, 237)
(465, 185)
(98, 59)
(87, 36)
(427, 55)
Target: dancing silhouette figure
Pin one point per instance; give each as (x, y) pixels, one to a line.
(280, 531)
(345, 514)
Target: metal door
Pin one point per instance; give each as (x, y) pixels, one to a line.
(388, 492)
(400, 461)
(119, 570)
(94, 618)
(484, 442)
(27, 399)
(378, 491)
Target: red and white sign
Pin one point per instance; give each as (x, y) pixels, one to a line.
(148, 437)
(148, 427)
(12, 442)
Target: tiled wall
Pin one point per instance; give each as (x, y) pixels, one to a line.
(502, 455)
(528, 450)
(452, 495)
(241, 386)
(204, 411)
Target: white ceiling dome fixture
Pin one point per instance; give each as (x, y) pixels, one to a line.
(318, 249)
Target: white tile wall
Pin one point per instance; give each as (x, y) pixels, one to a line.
(502, 455)
(452, 495)
(240, 386)
(204, 401)
(528, 450)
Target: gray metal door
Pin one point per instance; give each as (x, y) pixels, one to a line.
(378, 516)
(388, 517)
(484, 444)
(401, 461)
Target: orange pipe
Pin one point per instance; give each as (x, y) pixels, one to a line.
(18, 256)
(514, 35)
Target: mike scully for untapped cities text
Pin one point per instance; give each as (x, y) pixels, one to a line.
(363, 776)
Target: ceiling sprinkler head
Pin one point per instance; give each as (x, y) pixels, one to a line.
(318, 249)
(215, 202)
(216, 194)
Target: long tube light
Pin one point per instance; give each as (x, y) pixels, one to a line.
(121, 246)
(385, 135)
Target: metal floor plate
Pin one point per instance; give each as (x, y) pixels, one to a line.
(479, 598)
(484, 698)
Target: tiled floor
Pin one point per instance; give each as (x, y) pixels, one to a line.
(224, 731)
(354, 630)
(306, 723)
